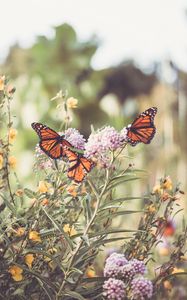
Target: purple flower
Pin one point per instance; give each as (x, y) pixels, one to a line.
(114, 289)
(101, 142)
(141, 288)
(43, 161)
(123, 134)
(74, 137)
(138, 266)
(113, 265)
(127, 271)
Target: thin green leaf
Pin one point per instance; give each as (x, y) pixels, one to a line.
(111, 186)
(29, 193)
(74, 295)
(57, 226)
(120, 200)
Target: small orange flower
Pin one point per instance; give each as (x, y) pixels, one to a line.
(70, 230)
(167, 183)
(2, 83)
(1, 161)
(169, 229)
(72, 102)
(16, 273)
(164, 251)
(12, 162)
(45, 202)
(19, 192)
(34, 236)
(165, 196)
(12, 135)
(90, 273)
(72, 190)
(167, 285)
(43, 187)
(156, 189)
(29, 258)
(20, 231)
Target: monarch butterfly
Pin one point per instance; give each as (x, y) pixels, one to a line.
(79, 166)
(53, 144)
(142, 130)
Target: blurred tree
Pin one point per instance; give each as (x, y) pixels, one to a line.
(63, 62)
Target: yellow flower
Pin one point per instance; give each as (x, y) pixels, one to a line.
(12, 162)
(156, 189)
(2, 83)
(167, 183)
(34, 236)
(20, 231)
(16, 273)
(12, 135)
(1, 162)
(151, 208)
(70, 230)
(177, 270)
(72, 190)
(43, 187)
(90, 273)
(19, 193)
(29, 258)
(72, 102)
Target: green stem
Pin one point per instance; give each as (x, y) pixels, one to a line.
(79, 245)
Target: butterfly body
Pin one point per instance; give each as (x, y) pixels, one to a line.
(142, 130)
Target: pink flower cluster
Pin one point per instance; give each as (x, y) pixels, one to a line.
(101, 142)
(119, 269)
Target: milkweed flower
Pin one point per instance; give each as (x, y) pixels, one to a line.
(138, 266)
(43, 161)
(113, 265)
(74, 137)
(16, 273)
(141, 288)
(114, 289)
(12, 135)
(101, 142)
(127, 271)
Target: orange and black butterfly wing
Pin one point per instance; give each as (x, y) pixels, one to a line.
(51, 142)
(79, 166)
(142, 130)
